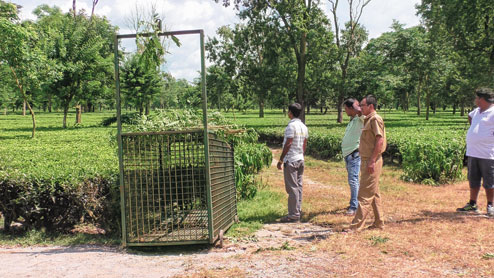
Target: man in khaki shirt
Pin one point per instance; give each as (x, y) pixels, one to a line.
(372, 145)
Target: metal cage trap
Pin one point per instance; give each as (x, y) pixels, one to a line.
(176, 187)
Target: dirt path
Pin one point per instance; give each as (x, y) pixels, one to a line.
(245, 258)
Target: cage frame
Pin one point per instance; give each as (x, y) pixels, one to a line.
(211, 233)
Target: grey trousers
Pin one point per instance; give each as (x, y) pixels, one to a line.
(293, 173)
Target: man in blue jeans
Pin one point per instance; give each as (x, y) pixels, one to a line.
(349, 148)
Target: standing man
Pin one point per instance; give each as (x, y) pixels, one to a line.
(372, 145)
(349, 149)
(480, 150)
(292, 157)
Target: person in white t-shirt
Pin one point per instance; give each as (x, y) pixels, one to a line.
(292, 159)
(480, 150)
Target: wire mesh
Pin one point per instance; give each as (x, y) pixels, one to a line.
(223, 192)
(165, 187)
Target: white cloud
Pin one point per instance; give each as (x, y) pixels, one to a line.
(184, 62)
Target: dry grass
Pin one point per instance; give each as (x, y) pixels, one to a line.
(217, 273)
(423, 232)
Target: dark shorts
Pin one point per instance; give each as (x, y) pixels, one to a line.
(479, 168)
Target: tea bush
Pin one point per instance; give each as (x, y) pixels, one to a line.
(429, 152)
(60, 178)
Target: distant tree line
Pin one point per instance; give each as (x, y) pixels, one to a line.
(291, 50)
(280, 52)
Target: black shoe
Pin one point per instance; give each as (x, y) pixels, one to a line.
(288, 219)
(468, 208)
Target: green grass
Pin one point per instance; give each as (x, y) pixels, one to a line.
(265, 207)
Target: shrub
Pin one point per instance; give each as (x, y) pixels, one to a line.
(55, 206)
(432, 162)
(127, 118)
(249, 159)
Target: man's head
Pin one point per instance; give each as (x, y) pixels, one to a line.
(351, 106)
(368, 104)
(294, 109)
(484, 97)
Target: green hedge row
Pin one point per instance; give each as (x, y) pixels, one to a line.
(429, 159)
(54, 206)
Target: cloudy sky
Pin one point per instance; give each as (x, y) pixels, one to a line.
(184, 62)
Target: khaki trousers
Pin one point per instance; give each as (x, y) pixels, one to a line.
(368, 196)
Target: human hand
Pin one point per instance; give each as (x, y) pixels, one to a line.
(370, 166)
(279, 165)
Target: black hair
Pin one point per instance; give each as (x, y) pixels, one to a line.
(370, 99)
(485, 93)
(349, 102)
(295, 108)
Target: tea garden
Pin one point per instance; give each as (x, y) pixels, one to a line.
(65, 177)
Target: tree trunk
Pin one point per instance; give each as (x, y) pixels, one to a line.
(301, 61)
(325, 110)
(261, 108)
(428, 104)
(24, 108)
(49, 104)
(94, 6)
(300, 91)
(147, 108)
(418, 100)
(33, 118)
(427, 97)
(308, 109)
(65, 112)
(23, 94)
(462, 109)
(408, 101)
(78, 114)
(339, 107)
(454, 108)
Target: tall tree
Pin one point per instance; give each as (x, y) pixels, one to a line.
(20, 52)
(470, 27)
(139, 83)
(349, 43)
(295, 17)
(81, 51)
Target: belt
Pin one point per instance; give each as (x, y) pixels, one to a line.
(353, 153)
